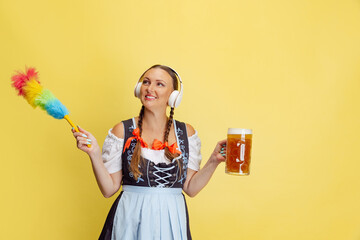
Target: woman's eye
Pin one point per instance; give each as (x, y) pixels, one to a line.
(145, 82)
(161, 84)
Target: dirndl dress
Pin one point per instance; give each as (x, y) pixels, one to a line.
(153, 206)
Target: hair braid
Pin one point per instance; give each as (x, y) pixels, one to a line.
(141, 116)
(169, 155)
(136, 159)
(168, 127)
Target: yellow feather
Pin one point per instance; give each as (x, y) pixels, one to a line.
(32, 89)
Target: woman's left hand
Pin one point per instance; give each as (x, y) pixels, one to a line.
(219, 153)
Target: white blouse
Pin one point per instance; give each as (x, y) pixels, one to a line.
(113, 148)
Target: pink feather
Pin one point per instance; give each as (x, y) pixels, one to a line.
(20, 79)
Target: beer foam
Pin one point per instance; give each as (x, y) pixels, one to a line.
(239, 131)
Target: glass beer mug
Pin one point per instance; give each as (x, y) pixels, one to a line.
(238, 151)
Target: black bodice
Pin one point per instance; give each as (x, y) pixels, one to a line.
(161, 174)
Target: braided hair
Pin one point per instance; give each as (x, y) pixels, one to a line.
(136, 158)
(169, 155)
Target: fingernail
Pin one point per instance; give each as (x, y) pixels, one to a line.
(89, 140)
(83, 135)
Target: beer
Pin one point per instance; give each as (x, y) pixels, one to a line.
(238, 151)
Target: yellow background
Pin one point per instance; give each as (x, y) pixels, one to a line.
(290, 70)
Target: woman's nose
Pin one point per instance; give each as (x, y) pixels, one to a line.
(150, 87)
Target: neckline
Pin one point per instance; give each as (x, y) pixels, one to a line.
(122, 139)
(176, 135)
(154, 150)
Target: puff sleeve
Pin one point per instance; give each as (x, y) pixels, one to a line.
(111, 152)
(194, 152)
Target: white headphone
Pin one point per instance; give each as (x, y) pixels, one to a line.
(175, 96)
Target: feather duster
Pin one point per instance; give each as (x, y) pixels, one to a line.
(28, 86)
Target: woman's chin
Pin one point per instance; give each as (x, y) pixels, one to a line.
(153, 104)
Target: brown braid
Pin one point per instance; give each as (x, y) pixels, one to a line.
(169, 155)
(136, 158)
(167, 131)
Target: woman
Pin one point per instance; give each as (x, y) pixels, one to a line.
(153, 172)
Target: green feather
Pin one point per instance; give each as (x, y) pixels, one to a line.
(44, 97)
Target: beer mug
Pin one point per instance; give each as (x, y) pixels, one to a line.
(238, 151)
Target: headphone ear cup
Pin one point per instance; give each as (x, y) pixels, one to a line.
(178, 99)
(137, 90)
(173, 99)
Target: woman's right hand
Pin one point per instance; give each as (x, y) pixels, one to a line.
(83, 138)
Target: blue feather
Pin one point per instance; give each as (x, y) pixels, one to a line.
(56, 109)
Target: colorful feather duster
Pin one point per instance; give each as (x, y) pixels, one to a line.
(28, 86)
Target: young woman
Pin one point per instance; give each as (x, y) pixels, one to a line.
(154, 158)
